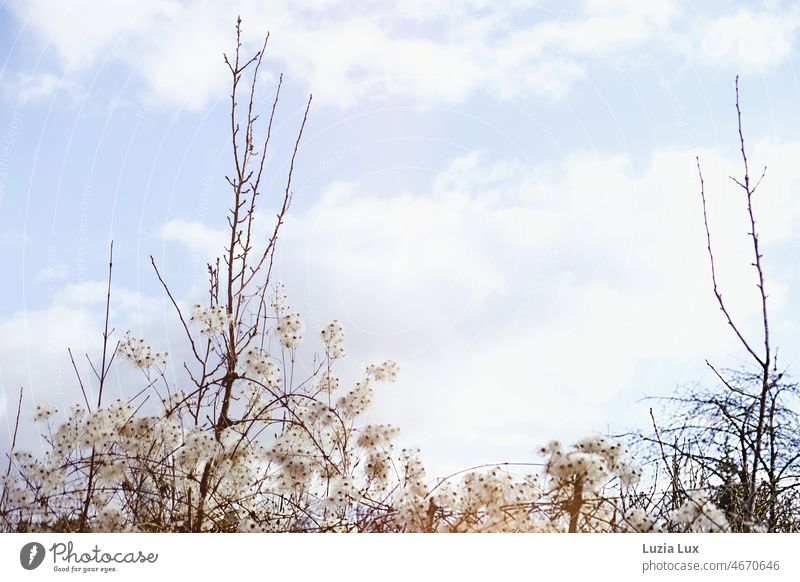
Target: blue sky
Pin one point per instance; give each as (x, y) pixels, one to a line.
(500, 196)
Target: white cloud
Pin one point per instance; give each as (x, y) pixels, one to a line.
(33, 355)
(53, 272)
(34, 343)
(748, 40)
(436, 56)
(197, 237)
(32, 87)
(519, 296)
(13, 238)
(433, 53)
(606, 27)
(85, 32)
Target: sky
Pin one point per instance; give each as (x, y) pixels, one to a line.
(502, 197)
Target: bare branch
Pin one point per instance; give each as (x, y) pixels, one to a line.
(712, 262)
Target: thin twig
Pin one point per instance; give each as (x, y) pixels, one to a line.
(16, 428)
(80, 380)
(712, 262)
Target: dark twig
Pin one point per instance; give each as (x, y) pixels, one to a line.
(14, 437)
(712, 262)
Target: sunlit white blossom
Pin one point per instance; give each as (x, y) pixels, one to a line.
(260, 367)
(698, 514)
(333, 337)
(385, 371)
(43, 413)
(211, 320)
(289, 330)
(141, 354)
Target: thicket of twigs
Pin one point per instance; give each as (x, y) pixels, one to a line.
(252, 446)
(739, 439)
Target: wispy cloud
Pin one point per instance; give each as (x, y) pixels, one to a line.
(195, 236)
(346, 53)
(749, 40)
(54, 272)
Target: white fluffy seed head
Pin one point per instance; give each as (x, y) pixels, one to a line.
(141, 354)
(211, 320)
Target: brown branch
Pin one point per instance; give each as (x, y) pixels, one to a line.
(14, 438)
(106, 333)
(102, 379)
(80, 380)
(673, 475)
(177, 309)
(269, 252)
(575, 505)
(754, 233)
(712, 262)
(765, 363)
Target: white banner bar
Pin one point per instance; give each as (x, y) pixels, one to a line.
(355, 557)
